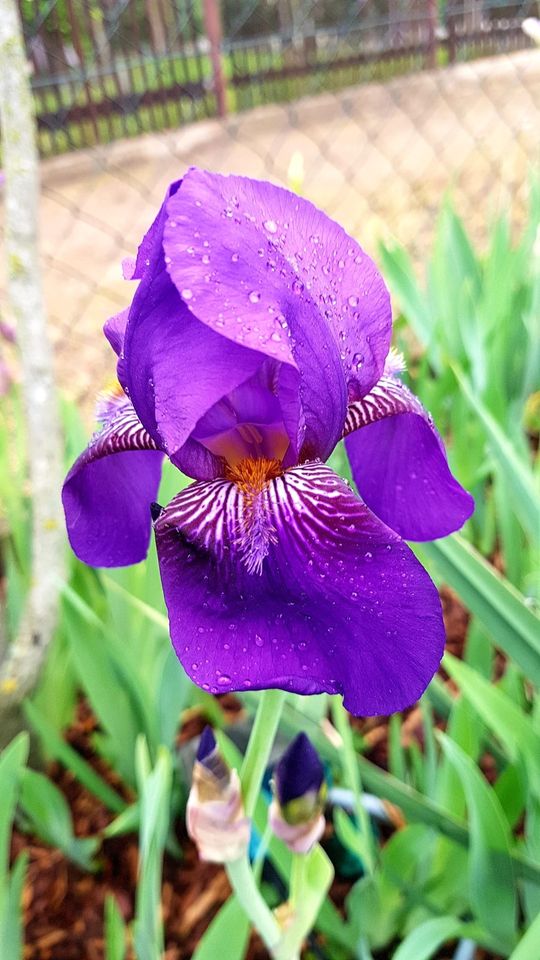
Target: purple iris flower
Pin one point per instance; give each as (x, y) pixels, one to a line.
(258, 337)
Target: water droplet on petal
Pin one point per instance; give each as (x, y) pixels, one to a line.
(187, 294)
(254, 296)
(353, 301)
(270, 225)
(224, 680)
(235, 257)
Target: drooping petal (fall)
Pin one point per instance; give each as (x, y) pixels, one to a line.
(108, 492)
(301, 588)
(399, 464)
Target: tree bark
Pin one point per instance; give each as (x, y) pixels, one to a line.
(23, 657)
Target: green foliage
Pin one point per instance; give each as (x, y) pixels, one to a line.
(46, 813)
(115, 931)
(230, 926)
(12, 761)
(155, 790)
(477, 322)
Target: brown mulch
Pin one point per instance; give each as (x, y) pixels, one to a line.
(64, 907)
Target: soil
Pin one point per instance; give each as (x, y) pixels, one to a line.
(64, 906)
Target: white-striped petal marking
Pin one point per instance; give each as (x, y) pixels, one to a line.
(387, 398)
(298, 506)
(338, 603)
(399, 463)
(121, 431)
(109, 489)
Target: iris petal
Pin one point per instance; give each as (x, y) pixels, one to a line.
(399, 464)
(178, 368)
(289, 242)
(107, 492)
(240, 278)
(340, 603)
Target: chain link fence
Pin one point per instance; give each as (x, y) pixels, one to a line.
(373, 109)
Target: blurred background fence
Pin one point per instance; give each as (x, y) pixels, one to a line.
(372, 108)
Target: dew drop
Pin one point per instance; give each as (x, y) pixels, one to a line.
(187, 294)
(270, 225)
(224, 680)
(258, 640)
(254, 296)
(235, 257)
(276, 337)
(353, 301)
(368, 556)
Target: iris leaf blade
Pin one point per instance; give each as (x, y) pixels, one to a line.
(518, 477)
(425, 940)
(230, 926)
(492, 890)
(497, 604)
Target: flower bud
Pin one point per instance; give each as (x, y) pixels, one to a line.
(299, 795)
(215, 812)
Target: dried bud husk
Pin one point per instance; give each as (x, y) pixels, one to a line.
(215, 812)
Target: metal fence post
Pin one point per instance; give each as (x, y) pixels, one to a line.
(212, 25)
(431, 16)
(452, 44)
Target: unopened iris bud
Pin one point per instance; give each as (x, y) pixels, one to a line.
(296, 812)
(215, 812)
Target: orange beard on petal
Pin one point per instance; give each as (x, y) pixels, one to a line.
(256, 531)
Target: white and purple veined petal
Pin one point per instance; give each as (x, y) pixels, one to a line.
(108, 491)
(399, 464)
(323, 596)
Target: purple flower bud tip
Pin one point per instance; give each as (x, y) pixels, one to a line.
(207, 744)
(155, 512)
(299, 771)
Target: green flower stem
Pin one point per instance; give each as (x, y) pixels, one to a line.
(259, 746)
(352, 776)
(298, 877)
(240, 872)
(250, 898)
(311, 876)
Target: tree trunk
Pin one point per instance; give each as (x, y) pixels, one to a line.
(24, 656)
